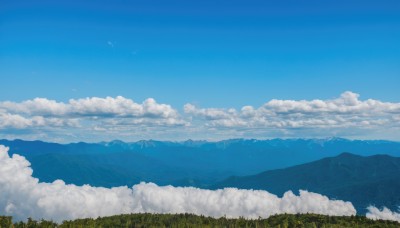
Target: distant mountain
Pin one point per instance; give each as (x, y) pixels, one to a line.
(188, 163)
(362, 180)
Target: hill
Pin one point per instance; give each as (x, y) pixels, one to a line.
(361, 180)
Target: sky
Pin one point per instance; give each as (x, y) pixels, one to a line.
(174, 70)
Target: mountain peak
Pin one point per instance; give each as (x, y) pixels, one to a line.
(348, 155)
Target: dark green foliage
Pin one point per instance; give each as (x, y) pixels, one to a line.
(189, 220)
(5, 221)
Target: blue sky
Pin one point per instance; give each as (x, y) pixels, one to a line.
(213, 54)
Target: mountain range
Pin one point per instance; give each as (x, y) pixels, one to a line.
(194, 163)
(365, 172)
(364, 181)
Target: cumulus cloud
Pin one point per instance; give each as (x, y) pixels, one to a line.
(42, 112)
(16, 121)
(347, 111)
(23, 196)
(93, 106)
(384, 214)
(344, 116)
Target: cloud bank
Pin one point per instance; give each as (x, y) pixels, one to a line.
(94, 106)
(384, 214)
(94, 117)
(23, 196)
(345, 111)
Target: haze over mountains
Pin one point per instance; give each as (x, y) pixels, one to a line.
(275, 165)
(194, 163)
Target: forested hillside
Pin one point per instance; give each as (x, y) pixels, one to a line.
(189, 220)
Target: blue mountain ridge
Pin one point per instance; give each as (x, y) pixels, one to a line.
(187, 163)
(364, 181)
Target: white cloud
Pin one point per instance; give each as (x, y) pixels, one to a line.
(23, 196)
(94, 106)
(347, 111)
(119, 110)
(16, 121)
(120, 107)
(384, 214)
(37, 106)
(345, 116)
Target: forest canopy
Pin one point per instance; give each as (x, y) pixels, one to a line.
(190, 220)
